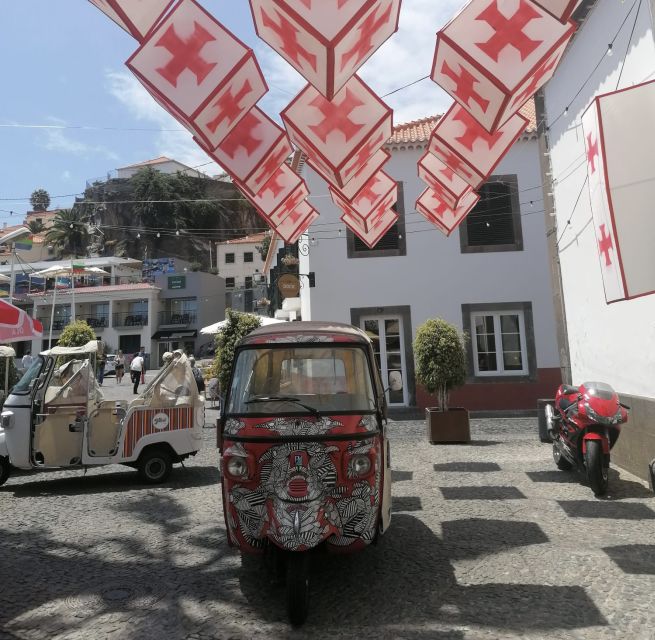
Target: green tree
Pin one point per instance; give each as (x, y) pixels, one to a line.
(69, 235)
(440, 358)
(36, 226)
(76, 334)
(40, 200)
(262, 249)
(238, 325)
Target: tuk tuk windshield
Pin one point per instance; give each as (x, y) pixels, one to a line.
(299, 379)
(24, 385)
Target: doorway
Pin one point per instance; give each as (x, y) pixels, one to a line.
(387, 335)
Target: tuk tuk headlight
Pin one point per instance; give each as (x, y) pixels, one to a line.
(359, 466)
(7, 420)
(237, 467)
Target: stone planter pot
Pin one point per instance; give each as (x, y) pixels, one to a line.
(447, 426)
(541, 418)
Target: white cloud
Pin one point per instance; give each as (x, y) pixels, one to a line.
(66, 175)
(172, 139)
(58, 140)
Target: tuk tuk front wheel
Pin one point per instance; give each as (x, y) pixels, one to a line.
(155, 465)
(5, 470)
(297, 587)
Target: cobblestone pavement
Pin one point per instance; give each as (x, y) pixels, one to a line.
(487, 540)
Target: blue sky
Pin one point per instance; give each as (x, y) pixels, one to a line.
(62, 65)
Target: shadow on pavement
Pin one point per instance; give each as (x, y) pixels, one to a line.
(482, 493)
(606, 509)
(619, 488)
(467, 467)
(633, 558)
(353, 592)
(113, 482)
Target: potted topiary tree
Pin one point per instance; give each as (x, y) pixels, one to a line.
(440, 360)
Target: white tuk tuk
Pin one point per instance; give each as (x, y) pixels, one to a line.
(56, 417)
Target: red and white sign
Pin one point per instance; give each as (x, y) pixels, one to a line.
(436, 211)
(16, 325)
(191, 63)
(279, 196)
(443, 180)
(380, 188)
(334, 133)
(253, 151)
(460, 142)
(620, 154)
(382, 219)
(297, 222)
(560, 9)
(495, 54)
(367, 171)
(326, 41)
(137, 17)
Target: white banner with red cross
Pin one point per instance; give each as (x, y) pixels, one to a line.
(443, 180)
(433, 208)
(620, 153)
(296, 223)
(253, 151)
(197, 68)
(333, 133)
(494, 55)
(460, 142)
(137, 17)
(326, 41)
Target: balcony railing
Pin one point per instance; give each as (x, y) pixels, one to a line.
(97, 321)
(130, 319)
(58, 323)
(168, 319)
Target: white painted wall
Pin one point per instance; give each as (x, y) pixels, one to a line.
(613, 343)
(435, 278)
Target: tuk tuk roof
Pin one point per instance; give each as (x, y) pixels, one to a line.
(89, 347)
(309, 331)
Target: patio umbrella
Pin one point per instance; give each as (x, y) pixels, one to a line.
(217, 327)
(4, 278)
(16, 324)
(67, 270)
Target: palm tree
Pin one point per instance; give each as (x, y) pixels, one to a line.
(36, 226)
(69, 235)
(40, 200)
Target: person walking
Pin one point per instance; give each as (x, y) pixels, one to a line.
(119, 363)
(136, 369)
(101, 360)
(197, 375)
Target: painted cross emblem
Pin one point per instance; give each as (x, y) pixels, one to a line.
(229, 107)
(535, 81)
(592, 152)
(186, 54)
(242, 137)
(473, 131)
(267, 169)
(365, 154)
(337, 116)
(465, 86)
(508, 32)
(455, 163)
(368, 192)
(367, 31)
(605, 245)
(288, 36)
(276, 184)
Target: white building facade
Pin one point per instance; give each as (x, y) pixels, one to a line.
(613, 343)
(489, 278)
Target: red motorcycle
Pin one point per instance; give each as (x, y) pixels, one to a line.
(584, 425)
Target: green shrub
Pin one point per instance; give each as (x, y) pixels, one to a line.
(440, 358)
(238, 325)
(76, 334)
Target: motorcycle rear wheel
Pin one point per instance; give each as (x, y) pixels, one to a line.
(597, 472)
(562, 463)
(297, 587)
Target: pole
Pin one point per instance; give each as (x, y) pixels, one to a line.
(72, 291)
(12, 282)
(6, 376)
(210, 255)
(52, 313)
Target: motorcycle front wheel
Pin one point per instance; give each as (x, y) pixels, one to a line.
(597, 472)
(297, 587)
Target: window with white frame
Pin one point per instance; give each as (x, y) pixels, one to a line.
(499, 343)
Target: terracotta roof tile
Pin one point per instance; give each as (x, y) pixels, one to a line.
(420, 130)
(255, 237)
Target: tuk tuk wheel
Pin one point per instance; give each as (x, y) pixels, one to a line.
(5, 470)
(297, 587)
(155, 465)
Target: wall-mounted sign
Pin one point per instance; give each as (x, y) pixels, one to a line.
(289, 286)
(177, 282)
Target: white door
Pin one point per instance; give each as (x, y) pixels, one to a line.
(389, 346)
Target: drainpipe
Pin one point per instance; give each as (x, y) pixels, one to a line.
(553, 253)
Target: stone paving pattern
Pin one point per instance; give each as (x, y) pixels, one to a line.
(488, 540)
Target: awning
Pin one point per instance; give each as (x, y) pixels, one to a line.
(174, 335)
